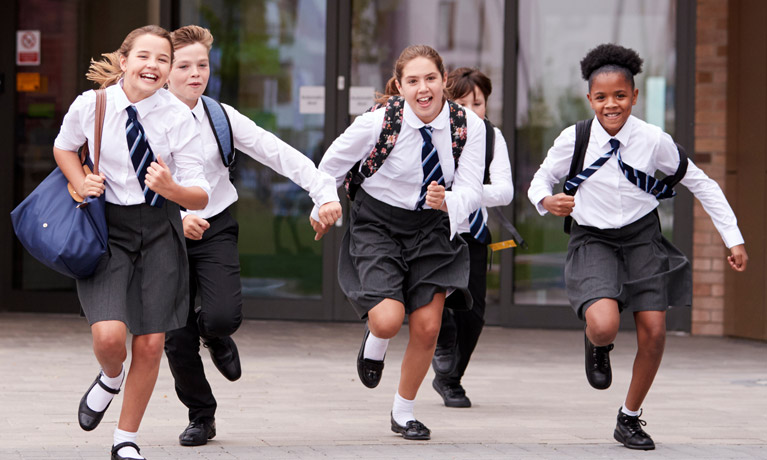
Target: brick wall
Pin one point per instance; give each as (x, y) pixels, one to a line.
(709, 254)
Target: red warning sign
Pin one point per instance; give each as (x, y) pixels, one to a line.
(28, 47)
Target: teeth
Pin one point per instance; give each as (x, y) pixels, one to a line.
(149, 75)
(424, 99)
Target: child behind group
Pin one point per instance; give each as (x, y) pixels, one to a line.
(141, 284)
(212, 235)
(401, 252)
(617, 258)
(461, 327)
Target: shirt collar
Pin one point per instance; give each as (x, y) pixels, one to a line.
(441, 122)
(603, 138)
(143, 107)
(199, 111)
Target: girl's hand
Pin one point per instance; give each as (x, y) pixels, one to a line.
(92, 185)
(159, 178)
(738, 258)
(435, 196)
(319, 227)
(560, 204)
(330, 212)
(194, 226)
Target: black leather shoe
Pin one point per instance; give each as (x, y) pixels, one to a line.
(88, 418)
(445, 360)
(116, 456)
(629, 432)
(225, 356)
(198, 432)
(598, 371)
(452, 395)
(413, 430)
(369, 370)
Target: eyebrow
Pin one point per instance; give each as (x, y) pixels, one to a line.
(407, 77)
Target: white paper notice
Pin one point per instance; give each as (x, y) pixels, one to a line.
(311, 99)
(360, 99)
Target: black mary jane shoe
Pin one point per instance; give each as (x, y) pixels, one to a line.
(225, 356)
(413, 430)
(598, 370)
(453, 395)
(88, 418)
(369, 370)
(198, 432)
(116, 456)
(629, 432)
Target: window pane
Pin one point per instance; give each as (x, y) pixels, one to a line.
(551, 96)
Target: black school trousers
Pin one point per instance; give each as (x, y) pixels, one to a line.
(214, 274)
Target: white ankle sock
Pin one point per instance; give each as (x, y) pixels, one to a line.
(97, 397)
(402, 410)
(126, 436)
(632, 413)
(375, 348)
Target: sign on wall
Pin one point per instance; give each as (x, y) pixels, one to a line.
(28, 47)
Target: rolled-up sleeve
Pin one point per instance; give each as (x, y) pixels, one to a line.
(72, 133)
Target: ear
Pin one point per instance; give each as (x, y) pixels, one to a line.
(634, 98)
(399, 87)
(123, 65)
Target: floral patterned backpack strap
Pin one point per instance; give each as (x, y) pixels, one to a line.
(457, 130)
(392, 124)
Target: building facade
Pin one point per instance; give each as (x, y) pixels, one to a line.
(304, 68)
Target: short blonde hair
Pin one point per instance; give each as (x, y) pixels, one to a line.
(189, 35)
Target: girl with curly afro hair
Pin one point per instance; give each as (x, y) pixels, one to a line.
(617, 258)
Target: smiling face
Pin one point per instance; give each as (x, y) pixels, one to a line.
(422, 86)
(146, 67)
(190, 73)
(612, 97)
(475, 101)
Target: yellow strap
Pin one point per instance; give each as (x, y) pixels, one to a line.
(502, 245)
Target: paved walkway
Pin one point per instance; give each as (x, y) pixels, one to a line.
(299, 398)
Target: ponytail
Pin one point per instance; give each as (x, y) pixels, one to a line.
(105, 72)
(389, 90)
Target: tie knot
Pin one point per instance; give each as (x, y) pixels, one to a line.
(614, 143)
(426, 132)
(131, 112)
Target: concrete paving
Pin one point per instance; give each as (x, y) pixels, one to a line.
(300, 398)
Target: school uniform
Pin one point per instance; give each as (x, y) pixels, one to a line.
(391, 249)
(142, 280)
(616, 249)
(461, 328)
(214, 267)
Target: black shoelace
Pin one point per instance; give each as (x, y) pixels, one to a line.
(601, 356)
(634, 424)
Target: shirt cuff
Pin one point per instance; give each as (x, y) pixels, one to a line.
(316, 213)
(732, 237)
(538, 200)
(452, 211)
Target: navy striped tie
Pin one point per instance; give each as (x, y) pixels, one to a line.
(432, 171)
(478, 226)
(646, 182)
(586, 173)
(141, 155)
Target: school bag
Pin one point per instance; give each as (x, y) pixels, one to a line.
(582, 134)
(222, 129)
(392, 124)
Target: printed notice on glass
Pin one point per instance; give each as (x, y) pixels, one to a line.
(361, 98)
(27, 47)
(311, 99)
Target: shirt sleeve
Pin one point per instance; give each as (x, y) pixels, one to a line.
(186, 147)
(271, 151)
(500, 190)
(555, 166)
(72, 133)
(466, 194)
(351, 146)
(705, 189)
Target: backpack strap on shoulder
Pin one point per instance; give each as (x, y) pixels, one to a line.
(582, 135)
(222, 129)
(392, 124)
(457, 130)
(489, 148)
(681, 170)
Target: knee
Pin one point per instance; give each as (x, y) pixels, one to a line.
(386, 327)
(110, 345)
(148, 347)
(653, 339)
(425, 332)
(602, 333)
(220, 323)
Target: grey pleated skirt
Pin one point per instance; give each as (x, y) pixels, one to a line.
(394, 253)
(143, 279)
(634, 265)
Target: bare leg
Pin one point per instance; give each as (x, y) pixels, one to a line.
(602, 321)
(385, 319)
(424, 329)
(145, 365)
(109, 345)
(651, 341)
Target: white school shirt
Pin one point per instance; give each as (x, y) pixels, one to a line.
(398, 181)
(500, 190)
(169, 128)
(607, 199)
(262, 146)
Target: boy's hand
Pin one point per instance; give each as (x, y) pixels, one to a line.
(738, 258)
(560, 204)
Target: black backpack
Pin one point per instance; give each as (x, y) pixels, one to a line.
(582, 135)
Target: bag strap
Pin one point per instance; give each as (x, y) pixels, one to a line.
(681, 170)
(222, 128)
(489, 148)
(582, 135)
(457, 130)
(98, 128)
